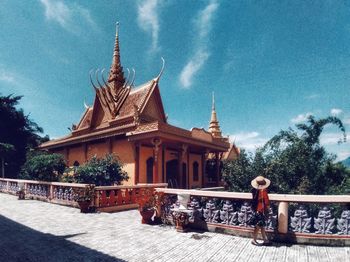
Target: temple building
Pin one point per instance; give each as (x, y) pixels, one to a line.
(130, 122)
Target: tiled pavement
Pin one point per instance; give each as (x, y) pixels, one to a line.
(39, 231)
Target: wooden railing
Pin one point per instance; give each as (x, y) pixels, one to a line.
(297, 218)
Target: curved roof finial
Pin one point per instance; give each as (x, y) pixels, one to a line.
(161, 70)
(96, 75)
(85, 105)
(133, 78)
(91, 71)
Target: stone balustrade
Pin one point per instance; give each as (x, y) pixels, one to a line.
(318, 219)
(54, 192)
(105, 198)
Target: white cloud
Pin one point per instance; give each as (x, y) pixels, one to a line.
(192, 67)
(248, 140)
(203, 21)
(7, 76)
(313, 96)
(147, 17)
(203, 24)
(336, 111)
(331, 138)
(67, 16)
(343, 155)
(300, 118)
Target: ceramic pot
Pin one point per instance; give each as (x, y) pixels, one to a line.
(84, 206)
(147, 215)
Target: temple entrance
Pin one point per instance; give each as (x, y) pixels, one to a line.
(172, 169)
(149, 170)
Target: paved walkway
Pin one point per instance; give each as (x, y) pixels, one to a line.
(38, 231)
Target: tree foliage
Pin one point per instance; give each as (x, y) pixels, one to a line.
(18, 130)
(43, 166)
(101, 171)
(295, 161)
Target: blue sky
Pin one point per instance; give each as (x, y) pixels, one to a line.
(270, 63)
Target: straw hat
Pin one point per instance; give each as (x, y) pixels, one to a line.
(260, 182)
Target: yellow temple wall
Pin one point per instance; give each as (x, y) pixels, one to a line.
(100, 149)
(124, 150)
(76, 153)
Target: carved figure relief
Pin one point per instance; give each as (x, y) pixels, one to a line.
(244, 214)
(210, 212)
(301, 222)
(344, 223)
(324, 223)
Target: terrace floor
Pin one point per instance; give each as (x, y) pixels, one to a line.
(38, 231)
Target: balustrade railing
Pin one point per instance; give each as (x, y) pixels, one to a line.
(293, 216)
(106, 198)
(54, 192)
(115, 198)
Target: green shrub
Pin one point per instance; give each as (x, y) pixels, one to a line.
(101, 171)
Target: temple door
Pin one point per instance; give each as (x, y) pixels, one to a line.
(172, 168)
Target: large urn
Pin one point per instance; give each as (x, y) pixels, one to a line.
(183, 200)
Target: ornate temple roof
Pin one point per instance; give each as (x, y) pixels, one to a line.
(119, 108)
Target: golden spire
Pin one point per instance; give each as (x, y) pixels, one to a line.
(116, 74)
(214, 127)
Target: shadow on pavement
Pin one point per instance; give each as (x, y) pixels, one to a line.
(21, 243)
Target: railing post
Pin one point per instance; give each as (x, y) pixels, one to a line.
(283, 217)
(51, 192)
(7, 186)
(97, 198)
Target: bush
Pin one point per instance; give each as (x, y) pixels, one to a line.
(101, 171)
(43, 166)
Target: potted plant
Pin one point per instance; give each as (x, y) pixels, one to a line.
(149, 201)
(84, 196)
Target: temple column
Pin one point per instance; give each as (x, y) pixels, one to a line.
(217, 169)
(204, 167)
(136, 148)
(179, 169)
(163, 164)
(156, 143)
(183, 154)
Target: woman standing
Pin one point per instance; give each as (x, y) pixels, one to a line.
(260, 205)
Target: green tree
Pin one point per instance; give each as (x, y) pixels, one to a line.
(101, 171)
(18, 130)
(43, 166)
(238, 173)
(5, 152)
(296, 162)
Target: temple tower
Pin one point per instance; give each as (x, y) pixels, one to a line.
(214, 127)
